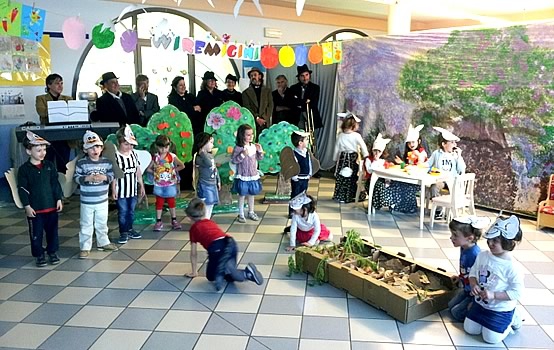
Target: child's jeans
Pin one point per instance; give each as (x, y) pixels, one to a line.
(94, 217)
(126, 213)
(40, 224)
(226, 249)
(459, 305)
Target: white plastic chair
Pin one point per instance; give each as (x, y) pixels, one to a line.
(144, 158)
(460, 197)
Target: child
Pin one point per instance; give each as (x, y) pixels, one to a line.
(125, 189)
(403, 195)
(41, 195)
(208, 177)
(465, 232)
(306, 228)
(381, 193)
(165, 165)
(222, 250)
(448, 159)
(346, 152)
(247, 179)
(496, 283)
(94, 174)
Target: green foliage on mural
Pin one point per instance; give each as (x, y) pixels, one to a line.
(273, 140)
(177, 126)
(145, 137)
(223, 122)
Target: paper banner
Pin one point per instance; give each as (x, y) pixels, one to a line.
(337, 51)
(315, 55)
(301, 53)
(10, 16)
(129, 40)
(32, 23)
(102, 38)
(286, 56)
(270, 57)
(74, 32)
(327, 52)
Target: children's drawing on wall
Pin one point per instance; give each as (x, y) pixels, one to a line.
(5, 44)
(18, 45)
(12, 110)
(6, 63)
(33, 64)
(19, 63)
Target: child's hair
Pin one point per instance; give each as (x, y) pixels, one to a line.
(465, 229)
(200, 141)
(28, 145)
(120, 135)
(441, 141)
(408, 150)
(241, 132)
(348, 124)
(196, 208)
(308, 208)
(510, 244)
(295, 139)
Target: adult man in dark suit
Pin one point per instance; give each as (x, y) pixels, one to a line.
(306, 95)
(145, 101)
(283, 102)
(114, 105)
(258, 100)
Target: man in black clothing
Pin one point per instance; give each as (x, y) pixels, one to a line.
(145, 101)
(283, 102)
(114, 105)
(306, 95)
(230, 94)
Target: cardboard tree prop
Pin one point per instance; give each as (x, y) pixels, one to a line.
(177, 126)
(223, 122)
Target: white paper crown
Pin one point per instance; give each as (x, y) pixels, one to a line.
(380, 143)
(507, 228)
(447, 135)
(36, 140)
(91, 139)
(413, 133)
(478, 222)
(129, 135)
(301, 133)
(348, 114)
(298, 201)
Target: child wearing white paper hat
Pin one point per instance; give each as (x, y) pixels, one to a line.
(346, 156)
(306, 229)
(447, 159)
(381, 194)
(496, 282)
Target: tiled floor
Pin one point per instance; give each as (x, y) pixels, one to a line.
(137, 298)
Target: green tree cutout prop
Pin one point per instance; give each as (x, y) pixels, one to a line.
(177, 126)
(223, 122)
(273, 140)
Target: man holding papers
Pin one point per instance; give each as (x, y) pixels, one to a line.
(115, 105)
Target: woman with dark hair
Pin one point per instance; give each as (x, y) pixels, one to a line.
(230, 94)
(185, 102)
(209, 97)
(59, 150)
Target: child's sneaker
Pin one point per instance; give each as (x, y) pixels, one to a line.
(53, 258)
(241, 219)
(252, 274)
(41, 261)
(176, 225)
(108, 247)
(84, 254)
(134, 234)
(253, 216)
(123, 238)
(158, 226)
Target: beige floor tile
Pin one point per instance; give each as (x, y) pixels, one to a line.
(15, 311)
(318, 306)
(535, 296)
(141, 243)
(210, 342)
(382, 232)
(282, 258)
(27, 336)
(444, 264)
(121, 339)
(184, 321)
(95, 316)
(421, 242)
(278, 229)
(277, 326)
(155, 299)
(113, 266)
(425, 333)
(7, 290)
(176, 269)
(131, 281)
(158, 255)
(461, 338)
(319, 344)
(75, 295)
(286, 287)
(530, 256)
(547, 280)
(178, 236)
(242, 237)
(239, 303)
(202, 285)
(262, 247)
(58, 278)
(5, 271)
(374, 330)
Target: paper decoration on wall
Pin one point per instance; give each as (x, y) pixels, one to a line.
(129, 40)
(299, 6)
(315, 55)
(11, 19)
(301, 53)
(226, 38)
(32, 23)
(24, 62)
(270, 57)
(102, 37)
(74, 32)
(286, 56)
(239, 4)
(337, 51)
(327, 48)
(162, 34)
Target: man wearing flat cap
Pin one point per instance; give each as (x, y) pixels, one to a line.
(257, 98)
(209, 97)
(230, 94)
(306, 96)
(115, 105)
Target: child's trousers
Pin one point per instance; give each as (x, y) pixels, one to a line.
(94, 217)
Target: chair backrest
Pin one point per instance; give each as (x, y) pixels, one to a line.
(11, 176)
(144, 158)
(462, 191)
(550, 196)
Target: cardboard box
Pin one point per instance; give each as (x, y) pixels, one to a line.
(310, 260)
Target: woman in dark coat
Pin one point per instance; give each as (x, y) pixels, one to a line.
(208, 97)
(230, 94)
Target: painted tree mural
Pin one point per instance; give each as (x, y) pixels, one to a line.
(496, 90)
(177, 126)
(273, 140)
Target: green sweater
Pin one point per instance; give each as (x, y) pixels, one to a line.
(39, 188)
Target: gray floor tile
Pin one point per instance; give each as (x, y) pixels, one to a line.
(94, 279)
(244, 322)
(115, 297)
(7, 249)
(258, 258)
(282, 305)
(120, 255)
(542, 314)
(177, 281)
(531, 281)
(26, 276)
(14, 261)
(282, 272)
(170, 341)
(218, 325)
(325, 290)
(390, 241)
(6, 326)
(273, 343)
(169, 244)
(358, 345)
(429, 253)
(37, 293)
(186, 302)
(146, 267)
(77, 264)
(72, 338)
(139, 319)
(210, 300)
(158, 283)
(529, 337)
(55, 314)
(359, 309)
(315, 327)
(130, 254)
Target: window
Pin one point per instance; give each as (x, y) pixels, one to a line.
(344, 34)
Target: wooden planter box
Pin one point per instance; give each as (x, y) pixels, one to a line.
(402, 306)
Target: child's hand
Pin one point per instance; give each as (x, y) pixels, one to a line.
(59, 205)
(397, 160)
(30, 212)
(305, 244)
(259, 148)
(475, 289)
(290, 249)
(192, 274)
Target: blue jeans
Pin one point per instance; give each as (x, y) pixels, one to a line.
(459, 305)
(126, 213)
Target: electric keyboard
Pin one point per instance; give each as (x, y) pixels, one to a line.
(67, 132)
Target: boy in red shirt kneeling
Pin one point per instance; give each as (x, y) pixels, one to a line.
(222, 250)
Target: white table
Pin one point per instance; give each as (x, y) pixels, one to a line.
(414, 175)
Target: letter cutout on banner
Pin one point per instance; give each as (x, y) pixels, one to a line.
(188, 45)
(286, 56)
(74, 32)
(270, 57)
(301, 53)
(129, 40)
(337, 51)
(315, 55)
(327, 53)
